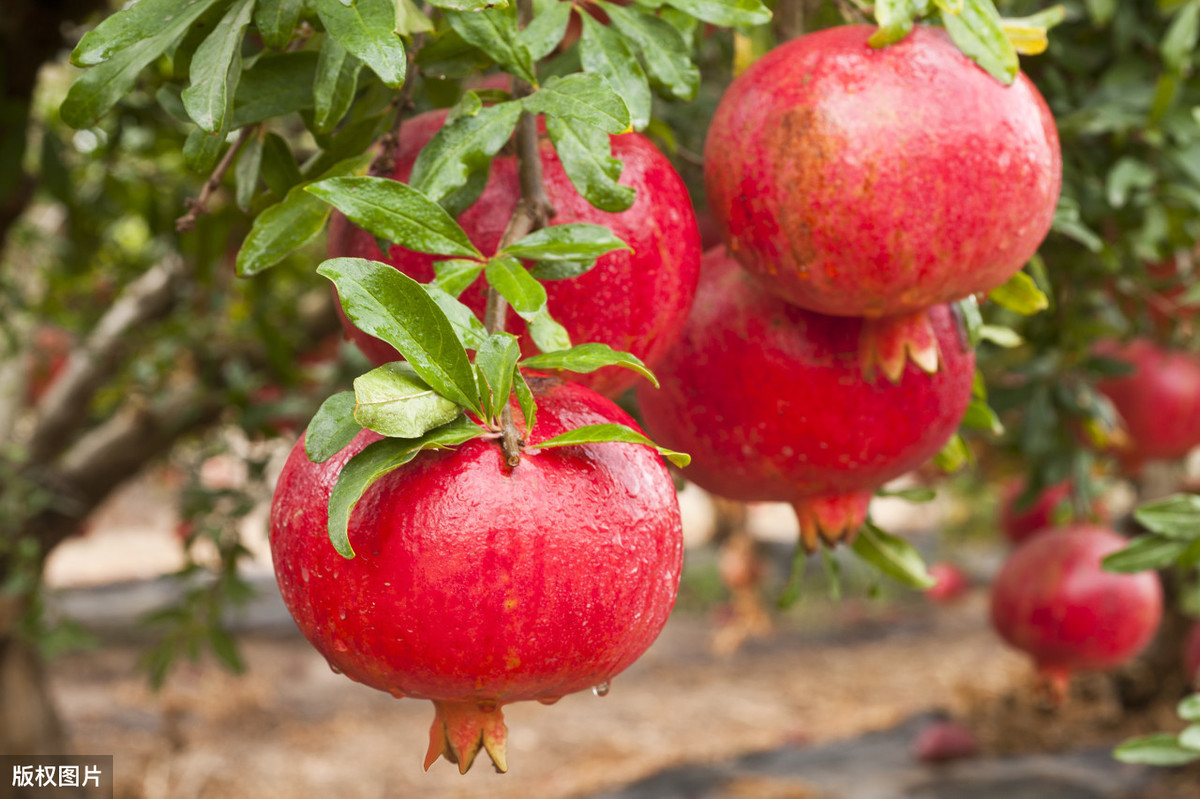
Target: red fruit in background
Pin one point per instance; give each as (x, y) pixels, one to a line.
(1191, 657)
(633, 301)
(771, 402)
(1053, 601)
(950, 582)
(50, 348)
(476, 585)
(864, 182)
(942, 741)
(1159, 401)
(1051, 508)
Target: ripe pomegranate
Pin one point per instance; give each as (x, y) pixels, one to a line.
(1159, 401)
(1191, 657)
(633, 301)
(950, 582)
(50, 349)
(864, 182)
(1053, 601)
(475, 584)
(1051, 508)
(942, 741)
(771, 402)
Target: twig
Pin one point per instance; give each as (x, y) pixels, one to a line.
(199, 205)
(385, 161)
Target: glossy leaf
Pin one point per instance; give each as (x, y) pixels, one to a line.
(379, 459)
(382, 301)
(668, 60)
(410, 19)
(496, 362)
(725, 13)
(895, 18)
(1177, 516)
(585, 153)
(893, 556)
(247, 172)
(289, 224)
(1145, 553)
(276, 20)
(604, 52)
(216, 69)
(395, 212)
(332, 428)
(604, 433)
(544, 33)
(979, 33)
(394, 401)
(560, 270)
(1159, 749)
(584, 97)
(528, 300)
(453, 277)
(525, 400)
(571, 242)
(494, 31)
(334, 85)
(133, 24)
(584, 358)
(279, 169)
(467, 5)
(470, 331)
(368, 31)
(1020, 295)
(462, 149)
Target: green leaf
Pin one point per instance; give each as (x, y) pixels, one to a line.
(352, 138)
(528, 299)
(201, 150)
(382, 301)
(895, 18)
(980, 416)
(376, 461)
(368, 31)
(276, 20)
(544, 33)
(410, 19)
(470, 331)
(1000, 336)
(668, 60)
(954, 455)
(248, 171)
(602, 433)
(979, 33)
(1101, 11)
(126, 47)
(289, 224)
(466, 5)
(583, 358)
(909, 494)
(1190, 738)
(1179, 42)
(582, 96)
(494, 31)
(725, 13)
(560, 270)
(134, 24)
(332, 428)
(571, 242)
(496, 363)
(279, 170)
(1189, 708)
(277, 84)
(602, 51)
(1144, 553)
(1020, 295)
(1177, 516)
(334, 85)
(1126, 176)
(453, 277)
(1159, 749)
(585, 153)
(525, 400)
(892, 555)
(394, 401)
(216, 68)
(463, 148)
(448, 55)
(395, 212)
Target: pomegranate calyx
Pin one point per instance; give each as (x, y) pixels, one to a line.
(460, 729)
(888, 343)
(832, 519)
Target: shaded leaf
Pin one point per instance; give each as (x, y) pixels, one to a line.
(668, 60)
(582, 96)
(892, 555)
(334, 85)
(470, 331)
(276, 20)
(216, 69)
(585, 153)
(602, 51)
(462, 149)
(277, 84)
(247, 172)
(332, 428)
(526, 401)
(494, 31)
(368, 31)
(496, 363)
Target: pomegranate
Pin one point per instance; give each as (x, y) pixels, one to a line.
(950, 582)
(1051, 508)
(942, 741)
(1159, 401)
(864, 182)
(475, 584)
(1191, 657)
(1053, 601)
(633, 301)
(771, 402)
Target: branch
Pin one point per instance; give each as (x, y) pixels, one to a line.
(64, 408)
(199, 205)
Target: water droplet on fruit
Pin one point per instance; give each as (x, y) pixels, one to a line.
(548, 700)
(601, 689)
(333, 668)
(304, 573)
(342, 615)
(396, 692)
(340, 645)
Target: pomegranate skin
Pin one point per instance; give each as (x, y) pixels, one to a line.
(771, 403)
(1191, 657)
(476, 585)
(864, 182)
(634, 301)
(1159, 401)
(1053, 601)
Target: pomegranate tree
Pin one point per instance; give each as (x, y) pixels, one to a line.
(1159, 401)
(1053, 601)
(476, 584)
(1050, 508)
(632, 300)
(870, 182)
(772, 403)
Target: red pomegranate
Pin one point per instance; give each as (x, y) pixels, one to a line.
(950, 583)
(1053, 601)
(1159, 401)
(476, 585)
(1191, 657)
(864, 182)
(771, 402)
(633, 301)
(1051, 508)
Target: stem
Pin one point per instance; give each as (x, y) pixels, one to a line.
(199, 205)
